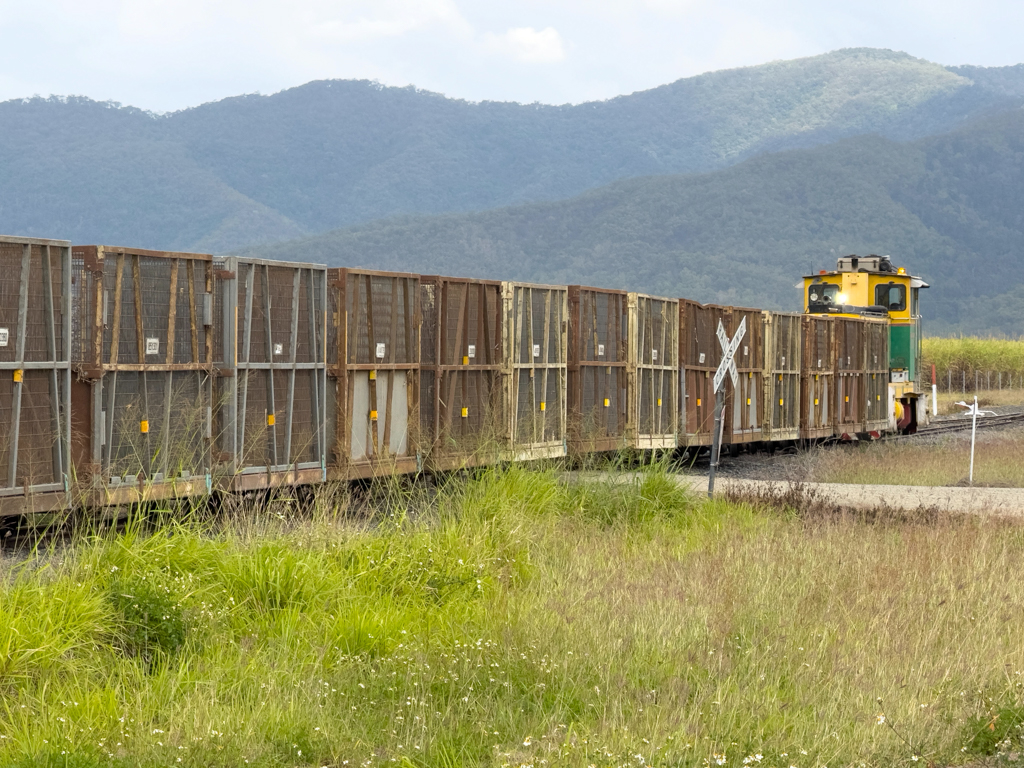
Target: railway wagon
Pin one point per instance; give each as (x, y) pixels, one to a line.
(535, 372)
(598, 359)
(876, 377)
(817, 378)
(744, 407)
(373, 369)
(653, 374)
(35, 374)
(699, 356)
(782, 376)
(462, 410)
(271, 389)
(142, 394)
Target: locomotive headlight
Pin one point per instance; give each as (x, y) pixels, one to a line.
(842, 298)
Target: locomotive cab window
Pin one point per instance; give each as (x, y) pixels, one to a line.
(892, 296)
(822, 294)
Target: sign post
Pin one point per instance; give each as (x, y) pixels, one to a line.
(728, 365)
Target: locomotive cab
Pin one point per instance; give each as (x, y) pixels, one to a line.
(873, 287)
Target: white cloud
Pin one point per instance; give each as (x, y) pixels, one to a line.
(543, 46)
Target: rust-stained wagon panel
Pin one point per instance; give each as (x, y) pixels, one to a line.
(597, 367)
(782, 366)
(374, 361)
(850, 390)
(271, 347)
(535, 331)
(462, 412)
(700, 354)
(653, 374)
(142, 349)
(35, 374)
(876, 376)
(744, 412)
(817, 378)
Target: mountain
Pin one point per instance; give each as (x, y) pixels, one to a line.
(256, 169)
(948, 207)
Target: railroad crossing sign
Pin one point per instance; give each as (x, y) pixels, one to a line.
(728, 364)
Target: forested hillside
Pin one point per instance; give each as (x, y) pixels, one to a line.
(948, 207)
(255, 169)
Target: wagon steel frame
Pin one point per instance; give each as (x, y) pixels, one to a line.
(393, 448)
(535, 431)
(652, 377)
(461, 402)
(54, 363)
(97, 362)
(597, 372)
(289, 458)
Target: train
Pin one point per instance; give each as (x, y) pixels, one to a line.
(131, 376)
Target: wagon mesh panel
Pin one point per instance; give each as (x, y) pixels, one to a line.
(783, 365)
(39, 430)
(386, 305)
(172, 444)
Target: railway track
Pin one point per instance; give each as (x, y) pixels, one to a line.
(960, 425)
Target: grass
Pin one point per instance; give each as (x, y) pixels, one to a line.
(514, 619)
(998, 462)
(967, 354)
(947, 401)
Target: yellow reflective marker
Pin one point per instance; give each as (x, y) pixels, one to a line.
(606, 403)
(847, 398)
(748, 401)
(878, 397)
(543, 405)
(19, 376)
(271, 419)
(780, 402)
(659, 402)
(373, 375)
(465, 359)
(144, 426)
(373, 415)
(815, 401)
(465, 412)
(698, 401)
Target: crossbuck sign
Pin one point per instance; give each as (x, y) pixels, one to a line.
(728, 364)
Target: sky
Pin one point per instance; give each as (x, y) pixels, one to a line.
(165, 55)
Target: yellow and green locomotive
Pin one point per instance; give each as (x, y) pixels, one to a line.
(872, 287)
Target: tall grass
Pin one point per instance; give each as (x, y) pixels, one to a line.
(964, 356)
(515, 619)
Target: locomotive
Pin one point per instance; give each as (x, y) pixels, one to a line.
(873, 287)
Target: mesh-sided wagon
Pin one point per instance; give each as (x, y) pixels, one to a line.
(781, 376)
(653, 383)
(535, 331)
(35, 373)
(462, 410)
(143, 358)
(597, 370)
(271, 396)
(373, 356)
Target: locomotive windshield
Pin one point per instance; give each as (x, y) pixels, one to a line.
(891, 296)
(822, 294)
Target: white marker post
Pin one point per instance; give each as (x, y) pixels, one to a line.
(728, 365)
(974, 431)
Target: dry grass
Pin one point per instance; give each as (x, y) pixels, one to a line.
(998, 461)
(519, 621)
(986, 399)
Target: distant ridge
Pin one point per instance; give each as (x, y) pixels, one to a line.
(948, 207)
(252, 170)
